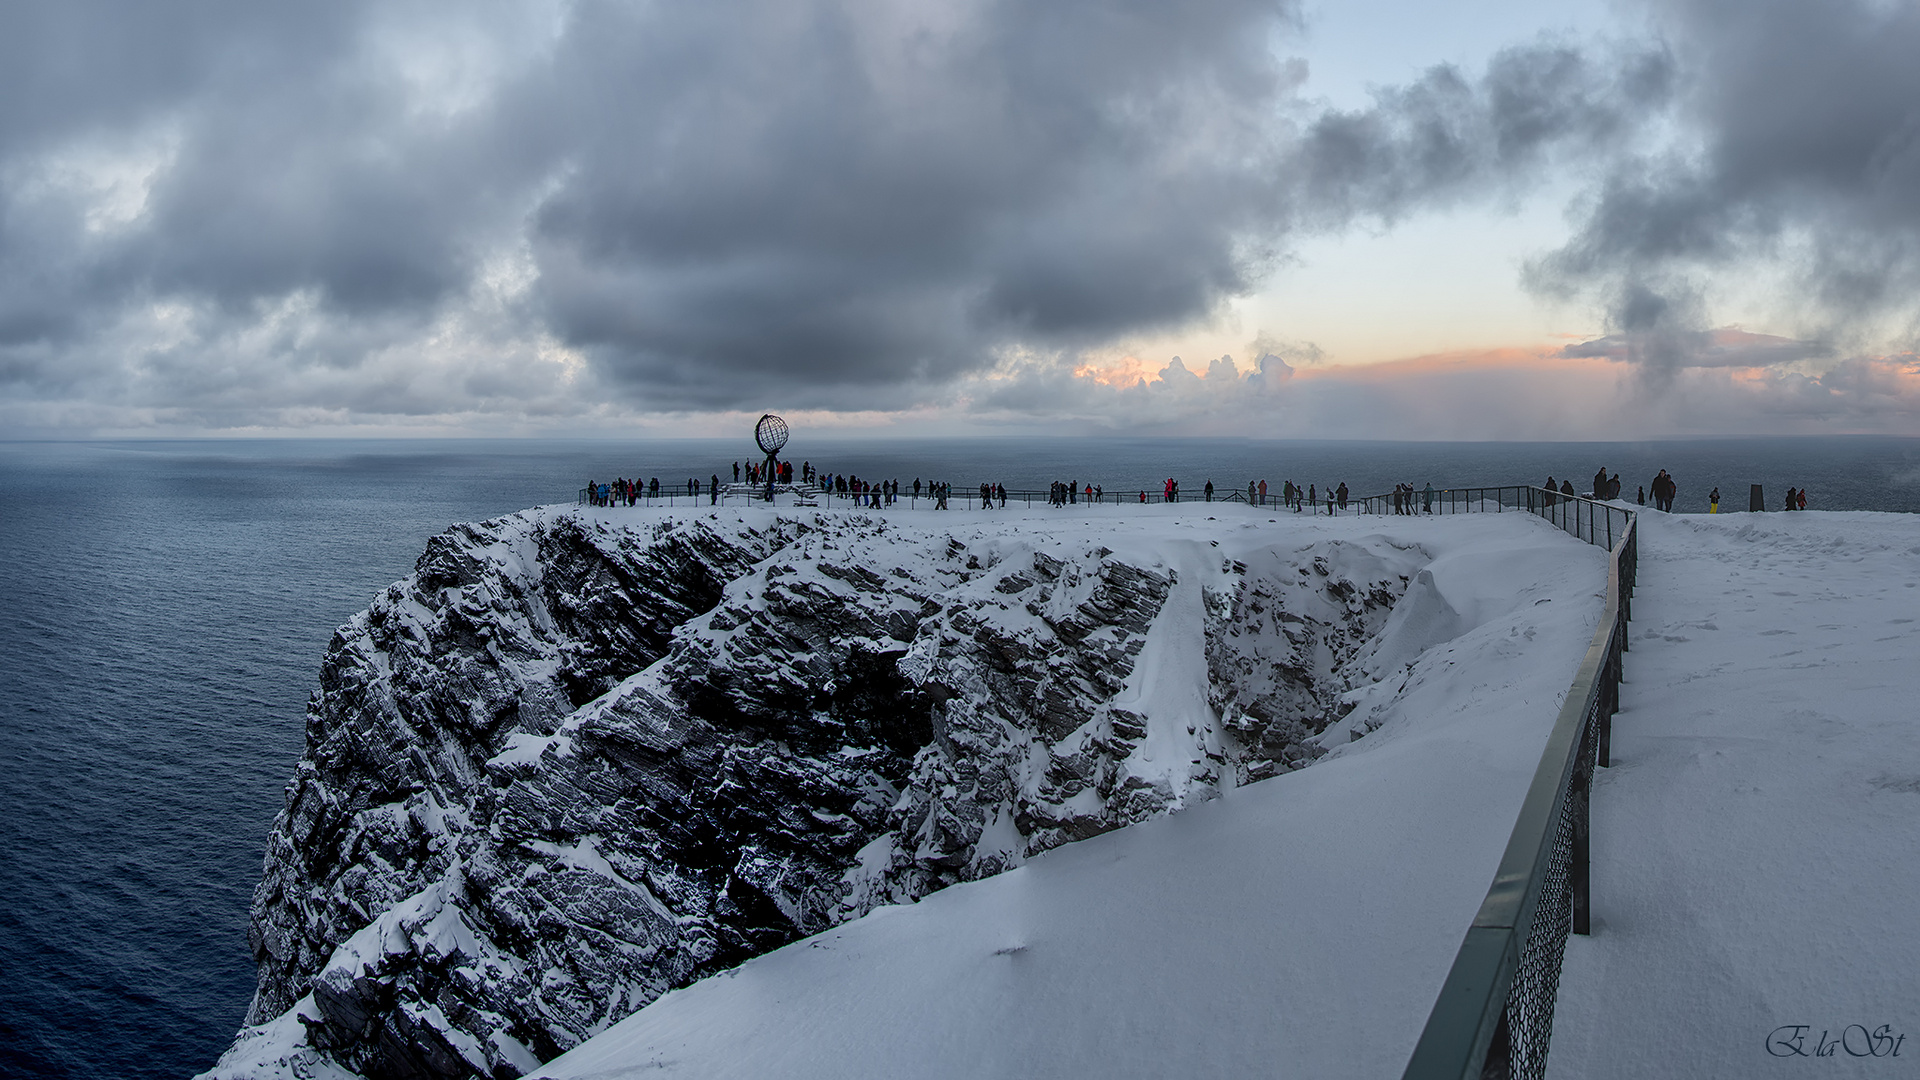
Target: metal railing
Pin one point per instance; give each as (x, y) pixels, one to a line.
(1598, 523)
(673, 496)
(1494, 1015)
(961, 498)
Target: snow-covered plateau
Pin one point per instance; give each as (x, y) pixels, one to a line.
(795, 793)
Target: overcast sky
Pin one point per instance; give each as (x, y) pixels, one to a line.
(1367, 219)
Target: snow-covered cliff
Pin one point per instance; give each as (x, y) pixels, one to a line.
(582, 757)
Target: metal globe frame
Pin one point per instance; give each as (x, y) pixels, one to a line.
(770, 434)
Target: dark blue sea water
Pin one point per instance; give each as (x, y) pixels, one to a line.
(164, 607)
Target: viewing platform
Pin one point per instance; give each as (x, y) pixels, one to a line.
(1754, 875)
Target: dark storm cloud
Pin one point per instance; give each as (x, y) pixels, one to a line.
(259, 157)
(825, 199)
(712, 200)
(843, 205)
(1445, 136)
(1800, 127)
(410, 207)
(88, 80)
(836, 206)
(109, 64)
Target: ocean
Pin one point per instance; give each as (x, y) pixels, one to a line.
(165, 605)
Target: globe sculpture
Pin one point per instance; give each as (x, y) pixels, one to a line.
(771, 433)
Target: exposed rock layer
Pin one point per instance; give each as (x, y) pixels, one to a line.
(569, 765)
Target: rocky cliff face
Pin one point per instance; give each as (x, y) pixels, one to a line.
(575, 760)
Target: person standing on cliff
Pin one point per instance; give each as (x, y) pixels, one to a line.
(1713, 501)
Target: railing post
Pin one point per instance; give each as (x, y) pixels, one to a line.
(1603, 748)
(1578, 874)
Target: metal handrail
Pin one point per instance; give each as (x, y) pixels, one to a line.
(1494, 1014)
(1571, 512)
(969, 497)
(1597, 522)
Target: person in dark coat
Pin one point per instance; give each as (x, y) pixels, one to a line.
(1600, 483)
(1551, 489)
(1659, 489)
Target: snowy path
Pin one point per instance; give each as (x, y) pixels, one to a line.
(1754, 845)
(1296, 927)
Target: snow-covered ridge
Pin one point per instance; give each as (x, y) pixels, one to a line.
(580, 758)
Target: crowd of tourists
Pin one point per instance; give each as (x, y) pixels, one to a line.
(1332, 499)
(1069, 493)
(625, 492)
(1404, 497)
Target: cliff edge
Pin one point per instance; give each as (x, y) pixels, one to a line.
(580, 758)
